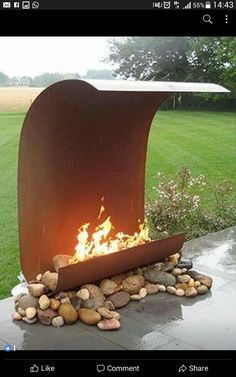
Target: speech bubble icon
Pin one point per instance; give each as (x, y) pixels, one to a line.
(100, 368)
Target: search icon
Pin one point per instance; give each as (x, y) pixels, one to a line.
(207, 18)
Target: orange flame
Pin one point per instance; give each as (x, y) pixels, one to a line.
(100, 244)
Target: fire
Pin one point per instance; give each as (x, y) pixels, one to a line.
(99, 243)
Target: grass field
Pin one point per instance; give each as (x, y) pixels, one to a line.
(204, 141)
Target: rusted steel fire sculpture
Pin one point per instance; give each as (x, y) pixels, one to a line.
(82, 141)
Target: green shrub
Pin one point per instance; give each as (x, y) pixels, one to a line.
(191, 205)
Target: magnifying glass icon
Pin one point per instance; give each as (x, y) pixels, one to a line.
(207, 18)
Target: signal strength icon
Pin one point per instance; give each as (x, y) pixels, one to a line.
(188, 6)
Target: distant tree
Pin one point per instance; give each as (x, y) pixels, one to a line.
(103, 74)
(25, 81)
(46, 79)
(213, 59)
(227, 54)
(4, 79)
(71, 76)
(150, 58)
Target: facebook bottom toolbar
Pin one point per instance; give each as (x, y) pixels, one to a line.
(139, 367)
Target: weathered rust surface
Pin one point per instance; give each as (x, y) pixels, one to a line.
(78, 145)
(98, 268)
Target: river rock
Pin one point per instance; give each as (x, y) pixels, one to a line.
(54, 304)
(185, 263)
(143, 292)
(39, 277)
(158, 266)
(192, 282)
(60, 295)
(21, 311)
(70, 294)
(115, 315)
(61, 260)
(109, 324)
(204, 279)
(76, 302)
(89, 316)
(138, 271)
(118, 288)
(159, 277)
(30, 321)
(65, 300)
(119, 278)
(105, 313)
(171, 290)
(36, 290)
(181, 286)
(136, 297)
(161, 288)
(202, 289)
(108, 286)
(46, 316)
(196, 284)
(92, 303)
(83, 294)
(133, 284)
(167, 267)
(180, 292)
(44, 302)
(191, 292)
(174, 258)
(16, 316)
(58, 321)
(49, 279)
(183, 278)
(177, 271)
(68, 313)
(120, 299)
(95, 292)
(109, 305)
(28, 301)
(151, 288)
(30, 313)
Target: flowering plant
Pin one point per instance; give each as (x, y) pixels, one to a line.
(189, 204)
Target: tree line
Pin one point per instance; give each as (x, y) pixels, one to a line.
(46, 79)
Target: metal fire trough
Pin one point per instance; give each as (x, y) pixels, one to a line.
(81, 141)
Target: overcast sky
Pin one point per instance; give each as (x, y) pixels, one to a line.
(32, 56)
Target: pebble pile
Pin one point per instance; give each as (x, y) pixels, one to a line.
(97, 304)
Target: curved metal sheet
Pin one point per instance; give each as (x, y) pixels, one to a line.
(78, 145)
(156, 86)
(98, 268)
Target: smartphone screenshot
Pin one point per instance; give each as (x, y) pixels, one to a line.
(117, 187)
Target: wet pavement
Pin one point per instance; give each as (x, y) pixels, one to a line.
(158, 322)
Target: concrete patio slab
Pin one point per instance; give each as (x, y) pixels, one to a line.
(160, 322)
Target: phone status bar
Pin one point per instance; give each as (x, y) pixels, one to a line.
(117, 5)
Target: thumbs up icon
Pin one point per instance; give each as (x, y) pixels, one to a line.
(34, 368)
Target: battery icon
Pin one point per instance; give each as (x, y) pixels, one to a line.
(207, 5)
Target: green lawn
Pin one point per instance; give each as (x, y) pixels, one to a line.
(204, 141)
